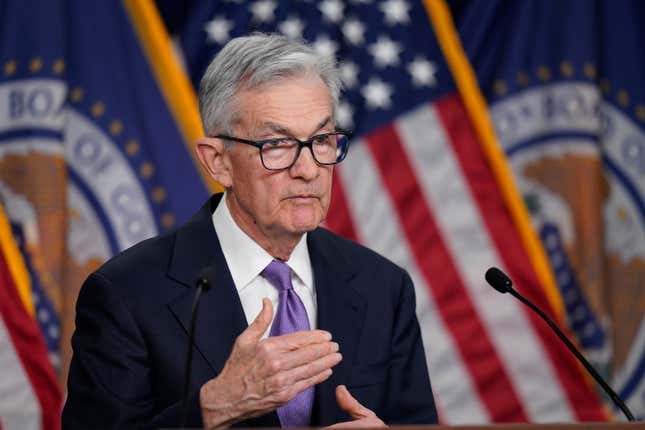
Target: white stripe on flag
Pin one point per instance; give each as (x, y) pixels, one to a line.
(19, 407)
(378, 228)
(458, 218)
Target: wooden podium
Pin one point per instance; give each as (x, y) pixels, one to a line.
(524, 426)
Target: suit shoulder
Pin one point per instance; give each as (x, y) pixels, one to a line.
(359, 254)
(147, 256)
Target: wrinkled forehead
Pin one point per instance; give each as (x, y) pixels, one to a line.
(284, 105)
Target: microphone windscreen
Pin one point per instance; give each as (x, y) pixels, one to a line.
(498, 280)
(206, 277)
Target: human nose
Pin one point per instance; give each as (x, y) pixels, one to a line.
(305, 166)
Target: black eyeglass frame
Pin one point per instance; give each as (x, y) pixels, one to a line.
(301, 144)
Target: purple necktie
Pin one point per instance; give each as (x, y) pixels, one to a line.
(291, 317)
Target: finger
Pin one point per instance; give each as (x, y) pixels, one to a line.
(350, 405)
(294, 389)
(364, 423)
(290, 377)
(261, 323)
(293, 341)
(307, 354)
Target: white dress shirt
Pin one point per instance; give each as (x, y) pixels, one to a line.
(246, 260)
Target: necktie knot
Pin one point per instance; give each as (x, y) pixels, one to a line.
(278, 274)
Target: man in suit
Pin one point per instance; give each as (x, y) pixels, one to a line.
(343, 346)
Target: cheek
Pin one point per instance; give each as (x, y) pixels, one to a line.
(267, 196)
(248, 176)
(326, 184)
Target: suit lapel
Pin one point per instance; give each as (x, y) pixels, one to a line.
(341, 311)
(221, 316)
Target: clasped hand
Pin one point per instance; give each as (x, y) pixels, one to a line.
(262, 375)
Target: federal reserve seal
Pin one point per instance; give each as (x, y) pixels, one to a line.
(579, 162)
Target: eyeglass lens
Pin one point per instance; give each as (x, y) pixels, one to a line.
(327, 149)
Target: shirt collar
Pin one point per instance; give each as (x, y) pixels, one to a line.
(300, 263)
(246, 259)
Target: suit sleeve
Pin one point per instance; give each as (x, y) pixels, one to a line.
(109, 384)
(410, 394)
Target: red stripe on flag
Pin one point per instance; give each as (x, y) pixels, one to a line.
(30, 346)
(338, 218)
(436, 265)
(482, 183)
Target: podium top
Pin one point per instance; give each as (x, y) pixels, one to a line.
(516, 426)
(520, 426)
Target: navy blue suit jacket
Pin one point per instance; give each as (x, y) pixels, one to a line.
(133, 313)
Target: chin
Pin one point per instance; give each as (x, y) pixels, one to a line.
(302, 224)
(304, 227)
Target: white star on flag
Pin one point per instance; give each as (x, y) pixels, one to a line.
(263, 10)
(377, 94)
(354, 31)
(348, 73)
(292, 28)
(344, 115)
(325, 46)
(385, 51)
(423, 72)
(332, 10)
(218, 30)
(396, 12)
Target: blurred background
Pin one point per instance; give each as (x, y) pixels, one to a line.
(486, 132)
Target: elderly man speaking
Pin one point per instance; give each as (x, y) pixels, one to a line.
(301, 327)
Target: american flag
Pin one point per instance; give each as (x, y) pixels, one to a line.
(29, 393)
(419, 188)
(89, 154)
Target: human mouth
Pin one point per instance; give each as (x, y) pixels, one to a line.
(303, 197)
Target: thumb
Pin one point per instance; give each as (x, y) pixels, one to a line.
(350, 405)
(261, 323)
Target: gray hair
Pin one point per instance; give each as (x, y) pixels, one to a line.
(252, 61)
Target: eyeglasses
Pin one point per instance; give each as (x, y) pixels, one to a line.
(282, 152)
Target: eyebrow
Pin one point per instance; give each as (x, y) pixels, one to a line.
(277, 128)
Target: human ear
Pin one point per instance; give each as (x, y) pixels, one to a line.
(213, 156)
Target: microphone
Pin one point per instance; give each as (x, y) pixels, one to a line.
(502, 283)
(203, 283)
